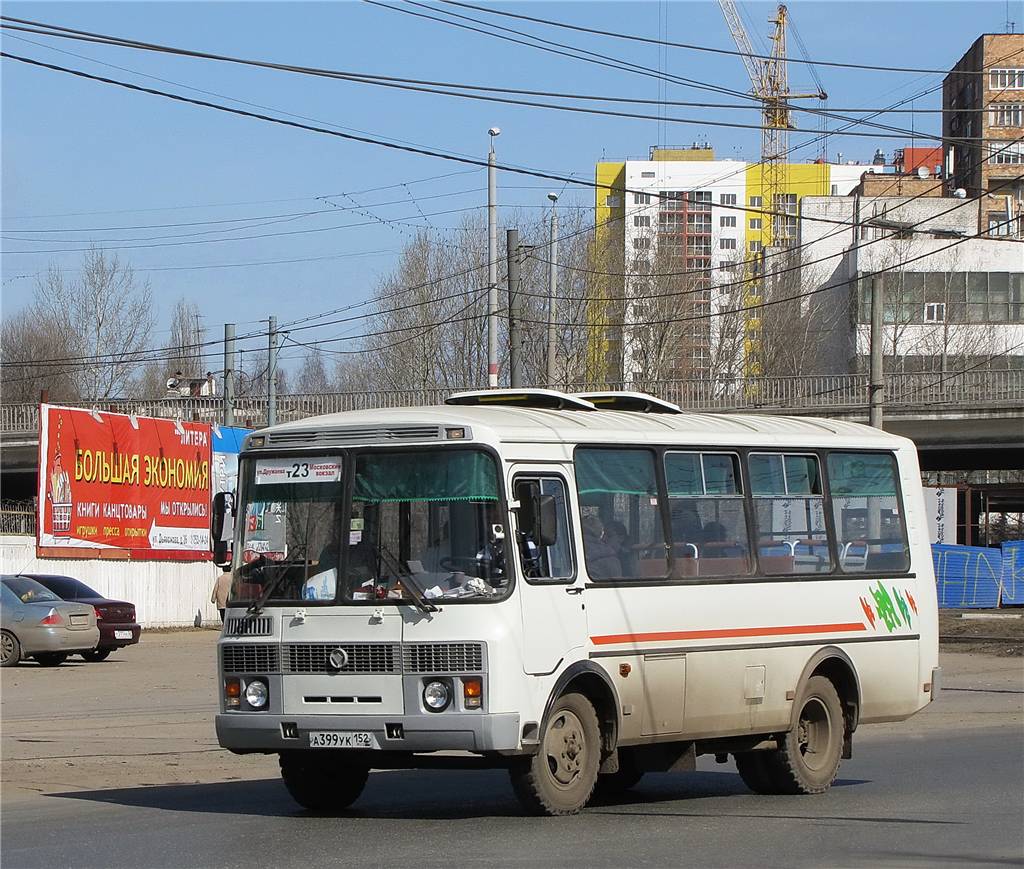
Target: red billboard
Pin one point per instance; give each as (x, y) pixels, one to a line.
(119, 486)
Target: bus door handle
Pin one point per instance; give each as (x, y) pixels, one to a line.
(575, 589)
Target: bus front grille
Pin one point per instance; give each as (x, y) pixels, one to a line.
(358, 658)
(250, 658)
(443, 657)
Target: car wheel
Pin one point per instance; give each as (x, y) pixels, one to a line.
(320, 785)
(559, 779)
(51, 659)
(10, 649)
(96, 655)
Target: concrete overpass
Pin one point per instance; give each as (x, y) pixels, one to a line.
(971, 420)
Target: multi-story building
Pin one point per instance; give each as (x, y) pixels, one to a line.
(983, 127)
(681, 235)
(952, 297)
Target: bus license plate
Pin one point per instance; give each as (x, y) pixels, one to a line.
(342, 739)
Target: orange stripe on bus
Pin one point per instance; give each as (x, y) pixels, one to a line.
(725, 633)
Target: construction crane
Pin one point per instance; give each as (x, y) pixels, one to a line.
(769, 79)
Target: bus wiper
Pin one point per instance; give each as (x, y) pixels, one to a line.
(256, 607)
(415, 592)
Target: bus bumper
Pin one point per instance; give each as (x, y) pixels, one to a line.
(245, 732)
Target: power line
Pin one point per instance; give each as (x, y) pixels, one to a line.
(429, 86)
(687, 45)
(535, 173)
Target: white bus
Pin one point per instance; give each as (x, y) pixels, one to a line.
(579, 589)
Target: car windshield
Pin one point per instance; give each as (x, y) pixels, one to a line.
(67, 588)
(422, 525)
(425, 519)
(290, 529)
(29, 591)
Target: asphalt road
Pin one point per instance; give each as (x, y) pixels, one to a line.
(941, 790)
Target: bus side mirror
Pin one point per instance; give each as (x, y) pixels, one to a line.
(222, 527)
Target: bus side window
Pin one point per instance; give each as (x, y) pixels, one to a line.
(553, 562)
(870, 522)
(789, 510)
(620, 513)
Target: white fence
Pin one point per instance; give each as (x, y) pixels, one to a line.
(165, 593)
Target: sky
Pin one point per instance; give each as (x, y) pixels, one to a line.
(79, 156)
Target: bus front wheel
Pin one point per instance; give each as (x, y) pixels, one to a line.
(807, 759)
(319, 784)
(559, 779)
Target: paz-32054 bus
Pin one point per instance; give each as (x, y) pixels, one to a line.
(579, 589)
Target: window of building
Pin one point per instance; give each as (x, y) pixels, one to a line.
(935, 312)
(698, 245)
(642, 243)
(670, 221)
(1006, 154)
(620, 513)
(671, 200)
(756, 201)
(755, 222)
(1006, 115)
(727, 198)
(1006, 79)
(699, 200)
(755, 246)
(613, 201)
(727, 243)
(727, 266)
(641, 198)
(642, 220)
(870, 528)
(707, 520)
(727, 220)
(789, 512)
(999, 223)
(646, 174)
(545, 562)
(967, 297)
(698, 224)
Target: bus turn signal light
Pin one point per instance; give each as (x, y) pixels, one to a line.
(472, 692)
(232, 692)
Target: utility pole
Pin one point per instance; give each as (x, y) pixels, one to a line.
(229, 374)
(876, 391)
(515, 362)
(552, 290)
(492, 262)
(272, 373)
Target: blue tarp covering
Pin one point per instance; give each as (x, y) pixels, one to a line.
(229, 440)
(1012, 576)
(967, 576)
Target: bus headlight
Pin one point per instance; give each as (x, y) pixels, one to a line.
(256, 694)
(436, 696)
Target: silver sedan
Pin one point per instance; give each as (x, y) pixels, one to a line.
(35, 623)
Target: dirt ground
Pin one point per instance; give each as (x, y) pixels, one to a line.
(993, 631)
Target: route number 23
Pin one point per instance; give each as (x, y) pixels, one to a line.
(299, 471)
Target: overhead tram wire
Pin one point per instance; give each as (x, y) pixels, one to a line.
(426, 152)
(601, 59)
(490, 10)
(421, 85)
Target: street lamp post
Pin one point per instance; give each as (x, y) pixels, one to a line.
(492, 262)
(552, 290)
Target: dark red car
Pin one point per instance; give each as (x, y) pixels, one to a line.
(115, 618)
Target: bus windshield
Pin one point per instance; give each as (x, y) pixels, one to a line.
(422, 525)
(429, 519)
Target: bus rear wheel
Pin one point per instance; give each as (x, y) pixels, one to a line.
(320, 784)
(559, 779)
(807, 759)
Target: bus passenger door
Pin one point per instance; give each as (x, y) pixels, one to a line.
(550, 588)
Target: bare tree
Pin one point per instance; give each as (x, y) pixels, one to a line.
(26, 345)
(185, 348)
(312, 377)
(100, 323)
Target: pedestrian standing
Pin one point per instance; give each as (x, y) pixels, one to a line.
(221, 590)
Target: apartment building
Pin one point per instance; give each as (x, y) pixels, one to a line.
(983, 127)
(681, 234)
